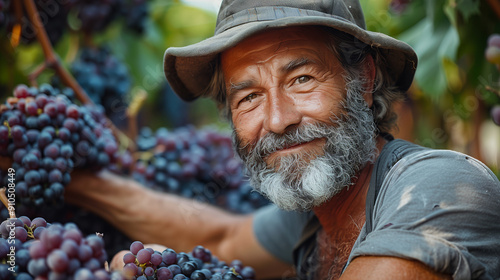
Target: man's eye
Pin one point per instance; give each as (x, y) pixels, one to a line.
(249, 97)
(302, 79)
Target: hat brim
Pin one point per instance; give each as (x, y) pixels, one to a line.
(189, 69)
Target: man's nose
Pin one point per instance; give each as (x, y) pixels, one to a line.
(282, 112)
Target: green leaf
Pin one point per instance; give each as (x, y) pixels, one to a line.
(468, 8)
(432, 45)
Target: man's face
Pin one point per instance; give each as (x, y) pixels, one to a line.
(286, 93)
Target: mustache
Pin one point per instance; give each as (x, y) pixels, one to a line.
(272, 142)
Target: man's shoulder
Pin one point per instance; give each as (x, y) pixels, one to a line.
(438, 173)
(443, 163)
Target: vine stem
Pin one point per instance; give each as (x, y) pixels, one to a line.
(51, 58)
(5, 201)
(52, 61)
(495, 6)
(132, 111)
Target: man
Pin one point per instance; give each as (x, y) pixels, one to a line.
(308, 92)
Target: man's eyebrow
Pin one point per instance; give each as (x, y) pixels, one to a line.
(233, 88)
(295, 64)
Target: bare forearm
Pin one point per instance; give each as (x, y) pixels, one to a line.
(173, 221)
(152, 217)
(374, 268)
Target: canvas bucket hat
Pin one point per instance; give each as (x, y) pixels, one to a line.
(189, 69)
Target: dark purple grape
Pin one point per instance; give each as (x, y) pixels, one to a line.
(495, 114)
(21, 233)
(70, 247)
(58, 260)
(143, 256)
(188, 267)
(30, 161)
(130, 270)
(84, 253)
(164, 273)
(198, 275)
(17, 132)
(4, 133)
(32, 177)
(128, 258)
(84, 274)
(169, 256)
(37, 267)
(135, 247)
(176, 269)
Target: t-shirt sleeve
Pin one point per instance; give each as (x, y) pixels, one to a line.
(278, 231)
(441, 208)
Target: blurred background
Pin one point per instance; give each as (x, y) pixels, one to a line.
(115, 48)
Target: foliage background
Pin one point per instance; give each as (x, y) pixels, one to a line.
(447, 107)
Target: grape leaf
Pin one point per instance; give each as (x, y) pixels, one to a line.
(432, 44)
(467, 8)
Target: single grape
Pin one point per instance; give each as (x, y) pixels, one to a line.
(58, 260)
(495, 114)
(135, 247)
(128, 258)
(143, 256)
(492, 54)
(130, 270)
(494, 40)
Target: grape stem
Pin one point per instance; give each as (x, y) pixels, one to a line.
(51, 58)
(52, 61)
(5, 202)
(495, 6)
(16, 30)
(34, 75)
(495, 91)
(132, 111)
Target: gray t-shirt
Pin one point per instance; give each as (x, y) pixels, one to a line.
(439, 207)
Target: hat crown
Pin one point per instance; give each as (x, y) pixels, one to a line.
(237, 12)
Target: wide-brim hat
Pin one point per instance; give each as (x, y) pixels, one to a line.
(189, 69)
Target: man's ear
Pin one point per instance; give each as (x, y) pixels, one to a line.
(369, 73)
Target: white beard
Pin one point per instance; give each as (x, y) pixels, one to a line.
(295, 183)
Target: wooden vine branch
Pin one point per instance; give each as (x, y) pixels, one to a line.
(52, 61)
(132, 111)
(5, 202)
(495, 91)
(51, 58)
(495, 6)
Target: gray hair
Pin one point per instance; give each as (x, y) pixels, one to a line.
(352, 55)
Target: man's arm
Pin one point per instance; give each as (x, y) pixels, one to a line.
(170, 220)
(389, 268)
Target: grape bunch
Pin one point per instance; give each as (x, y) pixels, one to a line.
(195, 163)
(53, 15)
(399, 6)
(96, 15)
(135, 13)
(4, 6)
(47, 135)
(105, 79)
(492, 52)
(145, 263)
(14, 263)
(492, 55)
(50, 251)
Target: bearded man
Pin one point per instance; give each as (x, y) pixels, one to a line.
(308, 92)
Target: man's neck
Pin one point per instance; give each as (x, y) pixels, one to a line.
(348, 206)
(342, 218)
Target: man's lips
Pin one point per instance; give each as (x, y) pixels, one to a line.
(298, 145)
(293, 146)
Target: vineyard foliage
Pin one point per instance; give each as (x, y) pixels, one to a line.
(110, 53)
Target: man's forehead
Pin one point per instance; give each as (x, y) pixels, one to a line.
(307, 35)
